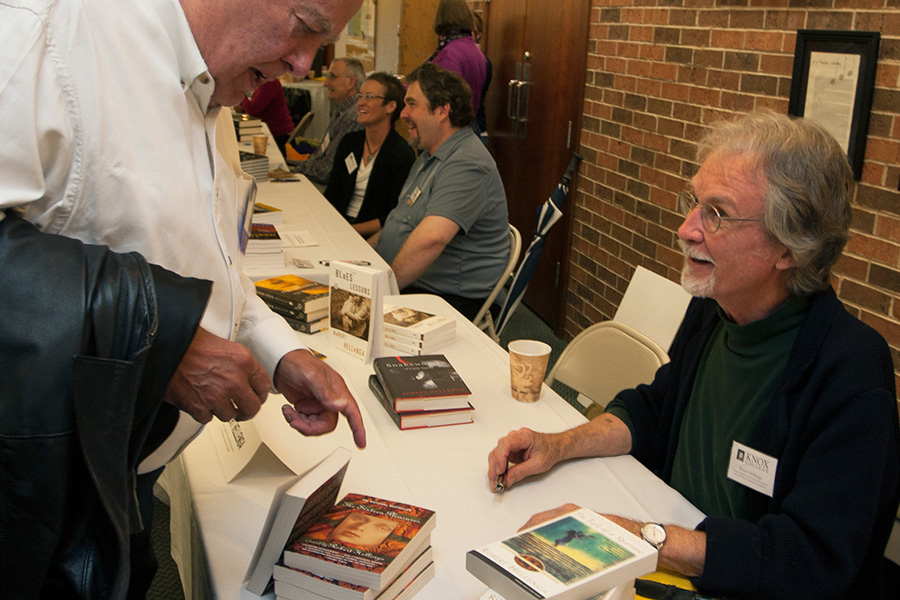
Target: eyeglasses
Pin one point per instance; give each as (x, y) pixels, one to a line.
(709, 214)
(370, 97)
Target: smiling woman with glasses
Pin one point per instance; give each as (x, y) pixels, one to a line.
(371, 165)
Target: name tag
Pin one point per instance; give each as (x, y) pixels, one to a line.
(413, 196)
(752, 468)
(350, 161)
(325, 142)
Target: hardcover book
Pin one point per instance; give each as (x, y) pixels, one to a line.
(415, 324)
(297, 314)
(296, 505)
(415, 383)
(295, 584)
(420, 419)
(309, 327)
(623, 592)
(363, 540)
(574, 556)
(294, 292)
(355, 309)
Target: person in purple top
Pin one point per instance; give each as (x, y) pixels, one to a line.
(457, 51)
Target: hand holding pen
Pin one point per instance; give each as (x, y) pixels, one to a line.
(518, 455)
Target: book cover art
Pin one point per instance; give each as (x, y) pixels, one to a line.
(426, 376)
(294, 292)
(355, 308)
(265, 213)
(363, 540)
(420, 419)
(573, 556)
(295, 505)
(415, 324)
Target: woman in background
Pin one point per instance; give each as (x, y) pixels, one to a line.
(269, 104)
(456, 50)
(371, 165)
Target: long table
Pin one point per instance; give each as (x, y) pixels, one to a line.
(216, 525)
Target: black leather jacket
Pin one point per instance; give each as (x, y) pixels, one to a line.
(88, 342)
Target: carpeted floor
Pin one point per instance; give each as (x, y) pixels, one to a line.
(523, 324)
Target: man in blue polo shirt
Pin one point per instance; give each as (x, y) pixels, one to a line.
(448, 234)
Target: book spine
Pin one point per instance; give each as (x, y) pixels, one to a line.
(298, 304)
(378, 391)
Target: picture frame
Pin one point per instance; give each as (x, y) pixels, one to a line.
(832, 84)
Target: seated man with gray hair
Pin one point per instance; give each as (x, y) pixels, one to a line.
(777, 416)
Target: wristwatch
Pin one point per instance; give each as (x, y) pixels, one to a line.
(654, 534)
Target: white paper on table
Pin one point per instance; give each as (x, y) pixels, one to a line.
(296, 239)
(236, 443)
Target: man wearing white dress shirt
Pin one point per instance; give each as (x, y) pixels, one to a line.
(113, 133)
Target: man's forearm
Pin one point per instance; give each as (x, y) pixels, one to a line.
(605, 435)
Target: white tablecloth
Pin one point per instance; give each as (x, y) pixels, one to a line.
(443, 469)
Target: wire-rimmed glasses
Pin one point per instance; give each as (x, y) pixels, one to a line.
(709, 214)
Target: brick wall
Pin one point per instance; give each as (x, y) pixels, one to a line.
(659, 71)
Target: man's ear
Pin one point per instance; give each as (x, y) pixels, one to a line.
(786, 260)
(443, 111)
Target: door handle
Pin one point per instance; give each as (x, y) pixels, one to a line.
(512, 99)
(523, 93)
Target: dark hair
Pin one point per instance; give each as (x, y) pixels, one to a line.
(452, 15)
(441, 87)
(393, 91)
(809, 183)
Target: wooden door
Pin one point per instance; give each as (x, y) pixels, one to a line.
(549, 39)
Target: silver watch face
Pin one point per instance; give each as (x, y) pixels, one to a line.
(654, 534)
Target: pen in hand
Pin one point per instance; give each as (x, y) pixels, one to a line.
(500, 481)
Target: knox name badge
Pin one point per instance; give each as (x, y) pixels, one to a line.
(752, 468)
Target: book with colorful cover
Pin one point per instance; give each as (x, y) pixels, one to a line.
(295, 584)
(294, 292)
(427, 382)
(363, 540)
(263, 237)
(420, 419)
(415, 324)
(266, 213)
(295, 506)
(574, 556)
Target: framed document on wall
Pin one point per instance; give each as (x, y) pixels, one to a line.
(833, 79)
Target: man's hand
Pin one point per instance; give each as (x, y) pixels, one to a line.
(317, 394)
(529, 452)
(218, 378)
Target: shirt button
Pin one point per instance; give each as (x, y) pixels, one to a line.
(204, 79)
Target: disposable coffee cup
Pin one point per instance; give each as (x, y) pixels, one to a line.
(527, 365)
(259, 144)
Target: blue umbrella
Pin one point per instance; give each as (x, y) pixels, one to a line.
(548, 214)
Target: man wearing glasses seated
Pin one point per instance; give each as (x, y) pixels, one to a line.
(777, 416)
(342, 79)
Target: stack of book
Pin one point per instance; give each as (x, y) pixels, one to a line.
(255, 165)
(361, 549)
(421, 391)
(246, 127)
(264, 249)
(303, 303)
(411, 331)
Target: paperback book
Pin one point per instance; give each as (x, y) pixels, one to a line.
(401, 321)
(356, 308)
(295, 584)
(255, 165)
(265, 213)
(423, 418)
(296, 505)
(363, 540)
(622, 592)
(575, 556)
(405, 345)
(294, 293)
(421, 383)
